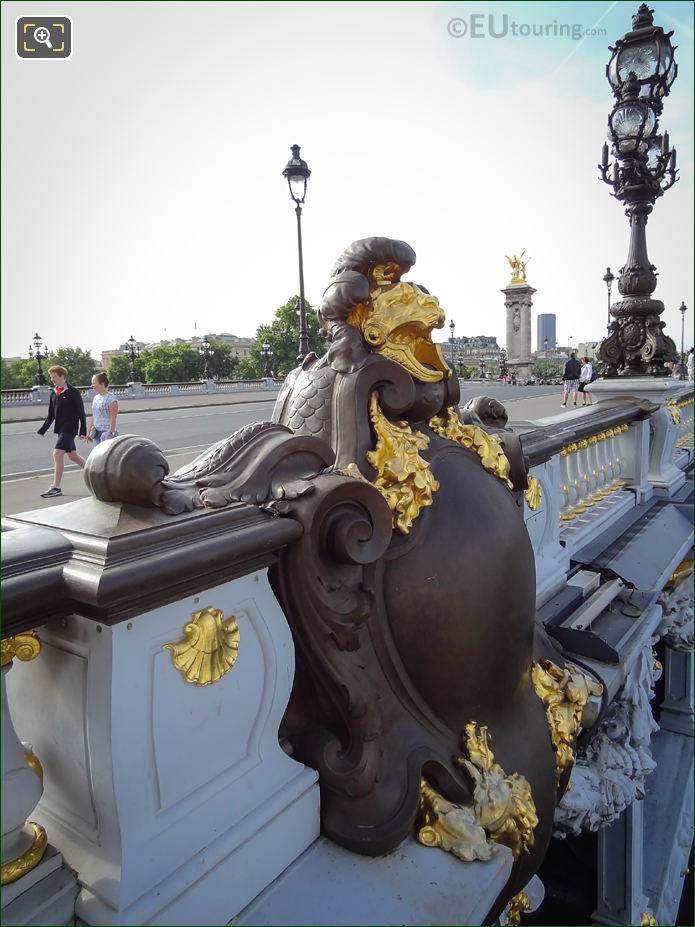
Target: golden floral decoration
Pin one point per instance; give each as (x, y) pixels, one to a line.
(533, 494)
(648, 920)
(450, 826)
(564, 692)
(448, 425)
(403, 478)
(25, 646)
(209, 647)
(675, 411)
(517, 906)
(503, 804)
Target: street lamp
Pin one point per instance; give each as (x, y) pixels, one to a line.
(452, 326)
(545, 346)
(640, 72)
(205, 351)
(482, 370)
(132, 352)
(297, 174)
(267, 354)
(682, 309)
(38, 356)
(608, 279)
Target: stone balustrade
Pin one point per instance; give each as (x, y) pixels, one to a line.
(41, 394)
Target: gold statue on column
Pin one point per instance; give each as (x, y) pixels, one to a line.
(518, 266)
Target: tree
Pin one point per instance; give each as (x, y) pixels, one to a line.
(247, 369)
(547, 370)
(80, 364)
(222, 362)
(20, 374)
(171, 363)
(118, 369)
(283, 337)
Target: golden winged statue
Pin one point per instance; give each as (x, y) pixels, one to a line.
(518, 266)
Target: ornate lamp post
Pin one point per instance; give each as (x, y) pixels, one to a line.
(267, 355)
(608, 279)
(683, 309)
(452, 326)
(205, 351)
(482, 370)
(132, 352)
(545, 348)
(297, 174)
(640, 72)
(36, 353)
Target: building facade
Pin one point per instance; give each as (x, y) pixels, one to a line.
(546, 328)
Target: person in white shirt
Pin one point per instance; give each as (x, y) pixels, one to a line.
(104, 410)
(585, 377)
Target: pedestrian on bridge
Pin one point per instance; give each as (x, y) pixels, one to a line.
(571, 377)
(104, 410)
(66, 409)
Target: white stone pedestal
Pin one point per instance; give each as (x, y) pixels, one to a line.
(174, 802)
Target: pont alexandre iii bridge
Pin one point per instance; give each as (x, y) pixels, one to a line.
(359, 664)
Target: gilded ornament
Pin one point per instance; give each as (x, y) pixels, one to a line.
(533, 494)
(503, 804)
(33, 762)
(518, 266)
(209, 647)
(25, 646)
(682, 571)
(564, 692)
(517, 906)
(353, 471)
(397, 321)
(448, 425)
(16, 868)
(451, 827)
(403, 478)
(675, 411)
(648, 920)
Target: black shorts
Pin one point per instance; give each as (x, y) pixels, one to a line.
(581, 386)
(66, 442)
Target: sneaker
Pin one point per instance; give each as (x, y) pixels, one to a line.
(53, 491)
(563, 405)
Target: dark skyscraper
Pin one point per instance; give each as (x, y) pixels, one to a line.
(546, 329)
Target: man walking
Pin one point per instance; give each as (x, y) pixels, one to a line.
(67, 410)
(571, 378)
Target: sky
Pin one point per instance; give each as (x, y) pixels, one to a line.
(142, 178)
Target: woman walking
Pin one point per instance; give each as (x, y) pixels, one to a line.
(585, 377)
(104, 410)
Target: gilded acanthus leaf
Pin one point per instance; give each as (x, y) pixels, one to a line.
(487, 446)
(403, 478)
(503, 803)
(517, 906)
(451, 827)
(564, 692)
(533, 494)
(209, 648)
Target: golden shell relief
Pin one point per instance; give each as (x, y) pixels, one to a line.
(208, 649)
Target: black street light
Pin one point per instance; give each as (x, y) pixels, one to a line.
(267, 355)
(297, 173)
(545, 346)
(683, 309)
(36, 353)
(482, 370)
(132, 352)
(640, 72)
(205, 351)
(608, 279)
(452, 326)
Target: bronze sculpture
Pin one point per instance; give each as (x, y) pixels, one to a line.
(411, 592)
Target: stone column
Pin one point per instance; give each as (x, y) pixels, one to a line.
(518, 302)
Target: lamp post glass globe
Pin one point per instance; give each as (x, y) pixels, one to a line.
(36, 353)
(646, 52)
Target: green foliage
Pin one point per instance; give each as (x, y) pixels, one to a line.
(20, 374)
(80, 365)
(283, 337)
(222, 363)
(547, 370)
(466, 372)
(170, 363)
(118, 369)
(247, 369)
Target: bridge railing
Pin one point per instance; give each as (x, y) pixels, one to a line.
(41, 394)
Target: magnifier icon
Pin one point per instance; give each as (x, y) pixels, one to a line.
(43, 36)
